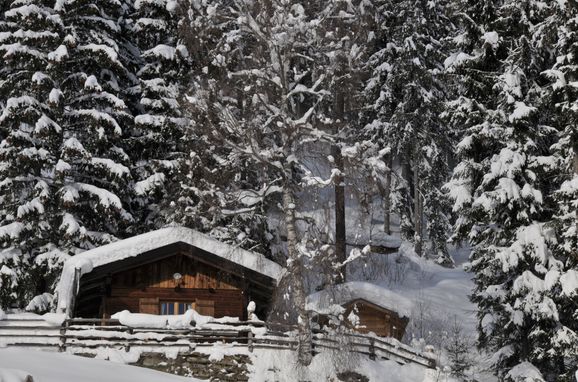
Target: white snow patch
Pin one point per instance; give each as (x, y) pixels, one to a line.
(59, 367)
(164, 51)
(11, 230)
(456, 60)
(521, 111)
(141, 320)
(569, 282)
(59, 54)
(40, 303)
(55, 96)
(152, 182)
(491, 38)
(525, 372)
(91, 83)
(12, 375)
(54, 318)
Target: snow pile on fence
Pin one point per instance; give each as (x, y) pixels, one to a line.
(325, 301)
(142, 320)
(134, 246)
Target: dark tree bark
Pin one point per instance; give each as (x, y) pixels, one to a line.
(575, 149)
(340, 241)
(418, 212)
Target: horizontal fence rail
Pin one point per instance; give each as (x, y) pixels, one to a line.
(85, 335)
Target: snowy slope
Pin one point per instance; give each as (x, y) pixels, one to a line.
(438, 295)
(57, 367)
(277, 366)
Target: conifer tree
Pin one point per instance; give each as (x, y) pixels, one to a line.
(156, 143)
(93, 170)
(503, 185)
(562, 95)
(29, 148)
(213, 189)
(406, 91)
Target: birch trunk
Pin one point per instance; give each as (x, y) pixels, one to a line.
(295, 271)
(576, 175)
(387, 197)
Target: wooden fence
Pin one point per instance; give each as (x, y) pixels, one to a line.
(86, 335)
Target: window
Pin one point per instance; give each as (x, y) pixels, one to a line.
(169, 308)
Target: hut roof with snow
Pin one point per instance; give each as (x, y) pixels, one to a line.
(175, 264)
(380, 310)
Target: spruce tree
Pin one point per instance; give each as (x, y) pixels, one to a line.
(31, 137)
(93, 171)
(156, 143)
(563, 286)
(213, 189)
(406, 92)
(503, 184)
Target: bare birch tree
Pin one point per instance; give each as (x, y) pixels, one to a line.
(264, 109)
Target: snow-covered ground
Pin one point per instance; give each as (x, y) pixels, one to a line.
(58, 367)
(268, 366)
(275, 366)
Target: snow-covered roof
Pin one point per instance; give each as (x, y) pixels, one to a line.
(85, 262)
(324, 301)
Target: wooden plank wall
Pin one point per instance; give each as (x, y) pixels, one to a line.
(134, 288)
(159, 274)
(227, 302)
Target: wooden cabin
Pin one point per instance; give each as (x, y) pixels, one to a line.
(377, 319)
(167, 272)
(379, 310)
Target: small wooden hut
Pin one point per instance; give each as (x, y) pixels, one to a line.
(167, 272)
(378, 310)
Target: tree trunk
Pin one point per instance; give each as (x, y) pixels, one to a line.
(387, 196)
(575, 149)
(295, 272)
(340, 246)
(418, 212)
(576, 175)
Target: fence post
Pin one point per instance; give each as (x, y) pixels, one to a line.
(62, 346)
(250, 340)
(313, 352)
(127, 346)
(372, 349)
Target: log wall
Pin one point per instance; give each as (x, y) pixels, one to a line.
(142, 289)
